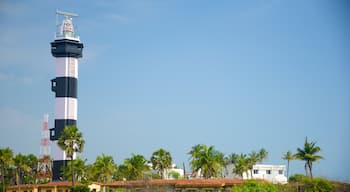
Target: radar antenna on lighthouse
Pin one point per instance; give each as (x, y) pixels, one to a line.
(65, 29)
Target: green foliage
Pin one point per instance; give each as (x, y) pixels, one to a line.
(103, 169)
(71, 141)
(133, 168)
(232, 158)
(161, 160)
(311, 185)
(241, 165)
(289, 157)
(80, 170)
(122, 190)
(32, 161)
(22, 168)
(308, 154)
(80, 188)
(174, 174)
(255, 186)
(297, 178)
(207, 160)
(318, 184)
(6, 160)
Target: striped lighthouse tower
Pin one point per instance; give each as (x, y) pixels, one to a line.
(66, 48)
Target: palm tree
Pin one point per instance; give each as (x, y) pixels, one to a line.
(135, 167)
(195, 153)
(32, 161)
(229, 160)
(161, 160)
(262, 155)
(289, 157)
(22, 168)
(232, 158)
(71, 141)
(252, 159)
(207, 160)
(80, 170)
(103, 168)
(308, 154)
(241, 165)
(6, 159)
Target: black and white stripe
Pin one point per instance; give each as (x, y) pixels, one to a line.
(66, 52)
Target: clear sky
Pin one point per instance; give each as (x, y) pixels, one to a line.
(239, 75)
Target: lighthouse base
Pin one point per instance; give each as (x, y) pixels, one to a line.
(57, 169)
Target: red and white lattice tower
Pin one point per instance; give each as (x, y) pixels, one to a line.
(44, 161)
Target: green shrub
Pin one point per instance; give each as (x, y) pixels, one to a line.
(312, 185)
(318, 185)
(255, 186)
(297, 178)
(174, 174)
(80, 188)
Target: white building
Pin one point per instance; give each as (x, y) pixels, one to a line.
(271, 173)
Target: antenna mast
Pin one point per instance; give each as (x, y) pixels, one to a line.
(44, 161)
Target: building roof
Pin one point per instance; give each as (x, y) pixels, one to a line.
(51, 184)
(182, 183)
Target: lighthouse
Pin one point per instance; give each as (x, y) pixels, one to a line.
(66, 48)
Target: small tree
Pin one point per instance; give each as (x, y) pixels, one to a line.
(80, 188)
(6, 159)
(71, 141)
(207, 160)
(21, 167)
(241, 165)
(289, 157)
(161, 160)
(308, 154)
(174, 175)
(133, 168)
(255, 186)
(103, 168)
(80, 170)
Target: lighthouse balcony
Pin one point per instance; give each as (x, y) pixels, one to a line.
(67, 48)
(70, 36)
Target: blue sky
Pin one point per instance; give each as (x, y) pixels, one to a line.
(239, 75)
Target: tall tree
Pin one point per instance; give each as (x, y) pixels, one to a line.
(71, 141)
(32, 161)
(308, 154)
(22, 168)
(194, 154)
(207, 160)
(6, 159)
(134, 167)
(262, 155)
(241, 165)
(103, 168)
(252, 159)
(161, 160)
(229, 160)
(289, 157)
(232, 158)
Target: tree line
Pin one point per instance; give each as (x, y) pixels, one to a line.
(205, 161)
